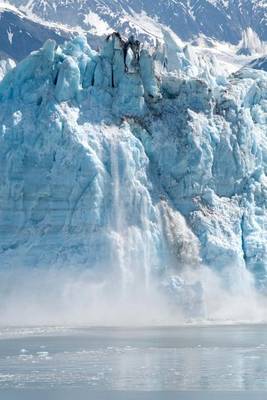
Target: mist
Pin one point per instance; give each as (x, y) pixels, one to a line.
(73, 296)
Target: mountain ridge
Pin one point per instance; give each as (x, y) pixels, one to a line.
(219, 19)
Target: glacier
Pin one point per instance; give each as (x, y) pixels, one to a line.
(151, 180)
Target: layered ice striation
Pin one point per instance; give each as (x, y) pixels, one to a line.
(110, 162)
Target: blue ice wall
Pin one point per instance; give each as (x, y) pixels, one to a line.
(133, 174)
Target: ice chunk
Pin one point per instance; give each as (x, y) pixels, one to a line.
(68, 81)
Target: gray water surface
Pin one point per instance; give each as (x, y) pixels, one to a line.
(133, 361)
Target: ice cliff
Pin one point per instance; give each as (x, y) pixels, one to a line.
(145, 175)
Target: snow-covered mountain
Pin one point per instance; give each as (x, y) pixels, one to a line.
(220, 19)
(140, 176)
(19, 34)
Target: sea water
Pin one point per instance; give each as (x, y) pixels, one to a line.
(193, 362)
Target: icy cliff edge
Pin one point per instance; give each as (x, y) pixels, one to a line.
(109, 161)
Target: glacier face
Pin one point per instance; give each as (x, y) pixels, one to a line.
(141, 176)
